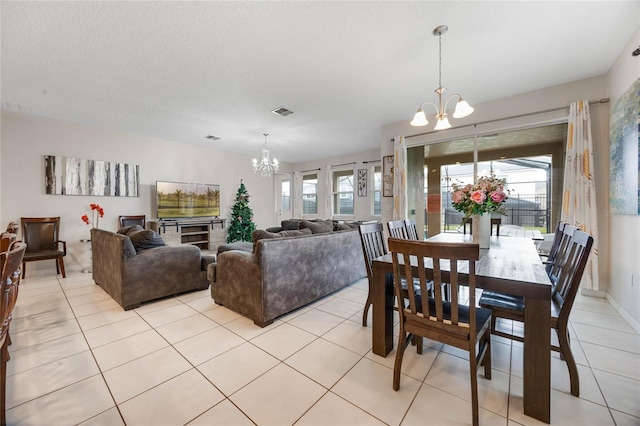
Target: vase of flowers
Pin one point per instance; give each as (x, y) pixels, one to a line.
(96, 213)
(478, 201)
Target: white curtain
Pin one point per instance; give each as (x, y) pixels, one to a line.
(400, 205)
(297, 195)
(579, 198)
(328, 193)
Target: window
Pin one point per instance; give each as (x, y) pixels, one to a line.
(310, 194)
(286, 195)
(377, 191)
(343, 185)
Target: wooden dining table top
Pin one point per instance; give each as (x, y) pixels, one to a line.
(508, 261)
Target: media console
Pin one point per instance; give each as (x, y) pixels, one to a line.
(206, 233)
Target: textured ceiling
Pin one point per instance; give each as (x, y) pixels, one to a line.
(184, 70)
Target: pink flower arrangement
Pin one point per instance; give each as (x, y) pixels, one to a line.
(96, 213)
(486, 196)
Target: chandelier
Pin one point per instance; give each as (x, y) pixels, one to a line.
(265, 167)
(463, 108)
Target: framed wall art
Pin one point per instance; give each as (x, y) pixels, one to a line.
(362, 182)
(77, 176)
(624, 153)
(387, 176)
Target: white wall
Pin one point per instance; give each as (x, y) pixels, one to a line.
(520, 107)
(625, 230)
(27, 138)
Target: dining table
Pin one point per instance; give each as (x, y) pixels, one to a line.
(510, 265)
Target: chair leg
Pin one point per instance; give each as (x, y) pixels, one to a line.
(24, 268)
(61, 263)
(473, 371)
(403, 342)
(3, 382)
(565, 352)
(366, 311)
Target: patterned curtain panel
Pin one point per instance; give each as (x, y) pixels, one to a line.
(297, 195)
(400, 205)
(328, 193)
(579, 198)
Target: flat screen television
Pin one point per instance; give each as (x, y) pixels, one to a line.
(179, 200)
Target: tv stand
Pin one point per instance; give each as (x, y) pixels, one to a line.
(200, 232)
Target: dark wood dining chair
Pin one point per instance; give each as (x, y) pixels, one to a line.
(131, 220)
(10, 275)
(411, 229)
(495, 222)
(549, 255)
(452, 323)
(372, 238)
(573, 261)
(42, 237)
(397, 229)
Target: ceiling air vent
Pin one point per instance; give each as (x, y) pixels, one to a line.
(213, 138)
(282, 111)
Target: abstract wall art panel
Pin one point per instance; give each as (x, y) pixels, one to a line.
(76, 176)
(624, 153)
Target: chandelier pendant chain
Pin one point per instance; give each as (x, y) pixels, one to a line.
(462, 109)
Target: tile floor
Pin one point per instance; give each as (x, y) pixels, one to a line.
(78, 358)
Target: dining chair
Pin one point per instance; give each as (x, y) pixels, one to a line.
(554, 267)
(495, 222)
(548, 254)
(411, 229)
(397, 229)
(449, 322)
(573, 261)
(10, 275)
(42, 237)
(372, 238)
(131, 220)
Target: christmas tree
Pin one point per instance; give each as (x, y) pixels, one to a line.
(242, 226)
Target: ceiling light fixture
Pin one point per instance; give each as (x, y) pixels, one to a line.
(266, 167)
(463, 108)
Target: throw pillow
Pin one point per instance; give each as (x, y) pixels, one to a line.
(129, 229)
(290, 224)
(341, 227)
(318, 227)
(145, 239)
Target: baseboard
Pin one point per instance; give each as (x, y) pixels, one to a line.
(623, 313)
(593, 293)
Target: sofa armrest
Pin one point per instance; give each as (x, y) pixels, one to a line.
(239, 284)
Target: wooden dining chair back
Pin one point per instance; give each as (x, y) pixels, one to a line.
(10, 275)
(574, 260)
(42, 237)
(397, 229)
(411, 229)
(6, 239)
(554, 267)
(131, 220)
(495, 224)
(372, 238)
(449, 322)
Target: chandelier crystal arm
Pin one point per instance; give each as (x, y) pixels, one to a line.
(265, 167)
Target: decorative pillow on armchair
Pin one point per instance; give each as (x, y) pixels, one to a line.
(129, 229)
(145, 239)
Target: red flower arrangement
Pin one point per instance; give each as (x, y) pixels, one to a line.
(486, 196)
(96, 213)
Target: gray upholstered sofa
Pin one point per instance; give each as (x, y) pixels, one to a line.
(283, 274)
(132, 277)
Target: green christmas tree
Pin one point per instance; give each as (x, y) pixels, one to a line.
(242, 226)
